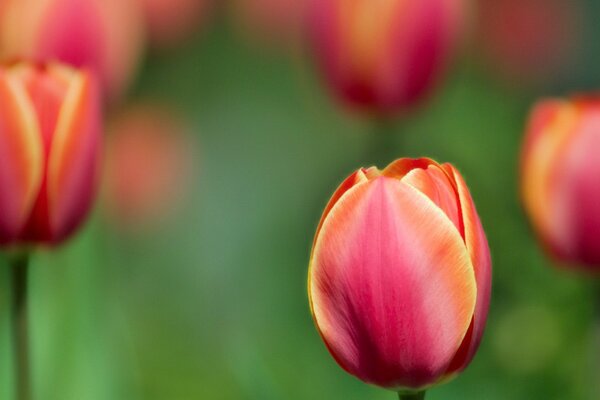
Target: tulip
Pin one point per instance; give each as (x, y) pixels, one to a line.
(171, 21)
(400, 275)
(384, 55)
(105, 36)
(559, 178)
(50, 131)
(149, 166)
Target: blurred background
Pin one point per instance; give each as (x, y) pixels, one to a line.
(189, 280)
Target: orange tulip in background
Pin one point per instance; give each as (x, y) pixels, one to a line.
(150, 165)
(560, 178)
(50, 135)
(384, 55)
(400, 275)
(106, 36)
(172, 21)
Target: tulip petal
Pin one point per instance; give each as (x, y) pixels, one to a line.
(479, 252)
(402, 166)
(435, 184)
(74, 157)
(393, 289)
(21, 157)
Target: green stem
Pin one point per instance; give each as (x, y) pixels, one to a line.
(412, 396)
(20, 326)
(382, 147)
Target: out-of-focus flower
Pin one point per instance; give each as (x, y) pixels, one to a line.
(50, 133)
(273, 22)
(559, 178)
(384, 55)
(400, 275)
(106, 36)
(150, 165)
(172, 21)
(529, 40)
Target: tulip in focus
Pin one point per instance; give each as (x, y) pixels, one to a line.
(560, 183)
(400, 275)
(150, 166)
(384, 55)
(105, 36)
(172, 21)
(50, 134)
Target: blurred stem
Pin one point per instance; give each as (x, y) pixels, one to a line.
(412, 396)
(382, 147)
(20, 325)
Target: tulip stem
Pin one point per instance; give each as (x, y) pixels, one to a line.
(412, 395)
(382, 147)
(20, 329)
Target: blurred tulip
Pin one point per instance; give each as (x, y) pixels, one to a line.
(171, 21)
(559, 178)
(529, 40)
(150, 165)
(274, 22)
(384, 55)
(400, 275)
(50, 133)
(103, 35)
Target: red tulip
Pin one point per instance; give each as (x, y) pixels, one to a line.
(400, 275)
(149, 166)
(105, 36)
(50, 131)
(384, 55)
(559, 178)
(171, 21)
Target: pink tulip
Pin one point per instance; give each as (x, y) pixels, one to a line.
(50, 132)
(150, 166)
(400, 275)
(384, 55)
(105, 36)
(172, 21)
(560, 182)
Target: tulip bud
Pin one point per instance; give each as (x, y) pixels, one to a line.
(171, 21)
(400, 275)
(50, 132)
(105, 36)
(384, 55)
(559, 178)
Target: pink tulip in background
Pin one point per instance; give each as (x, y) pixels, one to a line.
(384, 55)
(50, 135)
(172, 21)
(150, 165)
(400, 275)
(106, 36)
(560, 183)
